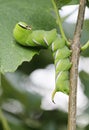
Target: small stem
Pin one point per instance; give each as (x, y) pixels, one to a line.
(4, 121)
(0, 80)
(59, 22)
(2, 117)
(74, 69)
(84, 47)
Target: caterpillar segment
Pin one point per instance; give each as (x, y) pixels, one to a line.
(25, 36)
(62, 63)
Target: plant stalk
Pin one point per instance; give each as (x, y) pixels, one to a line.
(58, 18)
(3, 119)
(75, 47)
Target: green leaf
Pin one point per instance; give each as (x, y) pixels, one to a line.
(87, 3)
(61, 3)
(85, 37)
(74, 2)
(37, 13)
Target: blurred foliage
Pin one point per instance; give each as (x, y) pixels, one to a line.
(22, 108)
(85, 80)
(61, 3)
(31, 116)
(84, 36)
(84, 77)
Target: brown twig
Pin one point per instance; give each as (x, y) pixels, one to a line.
(74, 70)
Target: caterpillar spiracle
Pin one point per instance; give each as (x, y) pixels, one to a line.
(25, 36)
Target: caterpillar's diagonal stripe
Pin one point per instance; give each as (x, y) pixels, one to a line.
(46, 41)
(38, 44)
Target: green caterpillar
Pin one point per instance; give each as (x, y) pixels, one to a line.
(24, 35)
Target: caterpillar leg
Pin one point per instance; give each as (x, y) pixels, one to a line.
(61, 86)
(62, 83)
(53, 94)
(62, 77)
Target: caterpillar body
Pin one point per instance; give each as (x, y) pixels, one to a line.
(25, 36)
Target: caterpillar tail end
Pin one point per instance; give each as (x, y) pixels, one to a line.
(53, 94)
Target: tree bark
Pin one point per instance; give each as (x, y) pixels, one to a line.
(75, 47)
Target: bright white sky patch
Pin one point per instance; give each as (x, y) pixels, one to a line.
(66, 10)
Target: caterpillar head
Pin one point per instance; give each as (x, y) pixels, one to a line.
(21, 32)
